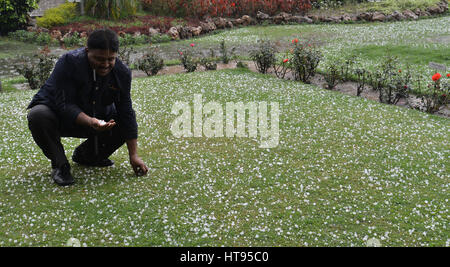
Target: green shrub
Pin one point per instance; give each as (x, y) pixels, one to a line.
(226, 55)
(150, 63)
(36, 69)
(188, 59)
(209, 63)
(44, 38)
(305, 60)
(264, 56)
(125, 53)
(14, 14)
(23, 36)
(128, 39)
(160, 38)
(74, 40)
(332, 76)
(112, 9)
(58, 15)
(436, 95)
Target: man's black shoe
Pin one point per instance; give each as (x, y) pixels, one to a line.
(61, 176)
(76, 157)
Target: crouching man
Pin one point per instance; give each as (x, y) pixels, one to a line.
(86, 96)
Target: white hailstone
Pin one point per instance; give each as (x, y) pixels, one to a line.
(373, 242)
(73, 242)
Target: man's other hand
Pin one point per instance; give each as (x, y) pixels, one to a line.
(139, 167)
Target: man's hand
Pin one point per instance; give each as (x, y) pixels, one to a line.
(139, 167)
(101, 126)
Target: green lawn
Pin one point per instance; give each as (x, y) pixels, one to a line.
(346, 170)
(385, 6)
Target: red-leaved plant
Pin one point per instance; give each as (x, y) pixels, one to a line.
(224, 8)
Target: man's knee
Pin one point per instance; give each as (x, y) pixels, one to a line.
(41, 116)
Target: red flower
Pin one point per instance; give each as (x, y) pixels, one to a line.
(436, 77)
(286, 60)
(192, 45)
(448, 75)
(399, 71)
(233, 4)
(295, 41)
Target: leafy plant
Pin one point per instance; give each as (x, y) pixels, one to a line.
(264, 56)
(111, 9)
(283, 68)
(241, 65)
(23, 36)
(346, 67)
(332, 75)
(150, 63)
(58, 15)
(14, 14)
(362, 77)
(125, 53)
(305, 60)
(226, 55)
(36, 69)
(209, 63)
(74, 40)
(437, 94)
(391, 83)
(43, 38)
(188, 59)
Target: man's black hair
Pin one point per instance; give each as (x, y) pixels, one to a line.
(104, 39)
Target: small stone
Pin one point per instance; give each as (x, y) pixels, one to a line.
(173, 33)
(410, 15)
(220, 23)
(152, 31)
(262, 16)
(196, 31)
(378, 16)
(247, 20)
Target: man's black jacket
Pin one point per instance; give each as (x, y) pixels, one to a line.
(70, 90)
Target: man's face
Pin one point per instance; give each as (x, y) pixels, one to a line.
(102, 61)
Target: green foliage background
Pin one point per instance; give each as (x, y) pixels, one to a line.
(58, 15)
(13, 14)
(111, 9)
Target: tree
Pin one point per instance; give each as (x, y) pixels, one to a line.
(14, 14)
(111, 9)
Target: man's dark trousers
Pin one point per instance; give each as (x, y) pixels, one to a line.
(46, 129)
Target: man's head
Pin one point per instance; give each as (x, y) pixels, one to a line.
(102, 49)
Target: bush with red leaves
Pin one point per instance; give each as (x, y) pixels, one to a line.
(224, 8)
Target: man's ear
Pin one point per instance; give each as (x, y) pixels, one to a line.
(87, 50)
